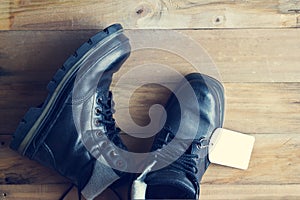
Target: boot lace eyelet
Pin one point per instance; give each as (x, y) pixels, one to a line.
(99, 100)
(119, 163)
(98, 111)
(99, 134)
(97, 122)
(103, 144)
(199, 146)
(202, 144)
(113, 153)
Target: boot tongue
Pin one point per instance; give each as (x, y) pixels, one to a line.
(169, 184)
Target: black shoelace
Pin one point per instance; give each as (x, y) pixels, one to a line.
(107, 105)
(186, 162)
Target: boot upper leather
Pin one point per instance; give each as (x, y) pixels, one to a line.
(83, 109)
(184, 115)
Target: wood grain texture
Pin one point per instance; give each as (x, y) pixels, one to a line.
(240, 55)
(209, 192)
(34, 192)
(265, 107)
(253, 43)
(27, 64)
(87, 14)
(275, 161)
(15, 169)
(4, 15)
(273, 174)
(226, 191)
(49, 192)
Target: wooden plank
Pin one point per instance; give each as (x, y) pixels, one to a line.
(240, 55)
(273, 173)
(214, 192)
(4, 15)
(263, 108)
(15, 169)
(250, 107)
(275, 160)
(226, 191)
(49, 192)
(28, 15)
(26, 192)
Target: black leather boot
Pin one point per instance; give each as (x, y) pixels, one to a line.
(78, 108)
(180, 179)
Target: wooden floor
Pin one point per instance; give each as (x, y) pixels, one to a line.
(255, 45)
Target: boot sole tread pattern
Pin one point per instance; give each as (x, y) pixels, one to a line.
(34, 113)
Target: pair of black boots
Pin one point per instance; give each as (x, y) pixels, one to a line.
(77, 114)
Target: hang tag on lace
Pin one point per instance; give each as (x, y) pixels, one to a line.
(230, 148)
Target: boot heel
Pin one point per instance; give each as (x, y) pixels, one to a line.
(23, 128)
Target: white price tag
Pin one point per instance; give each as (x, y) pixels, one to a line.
(230, 148)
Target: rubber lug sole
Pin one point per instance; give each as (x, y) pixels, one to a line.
(33, 114)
